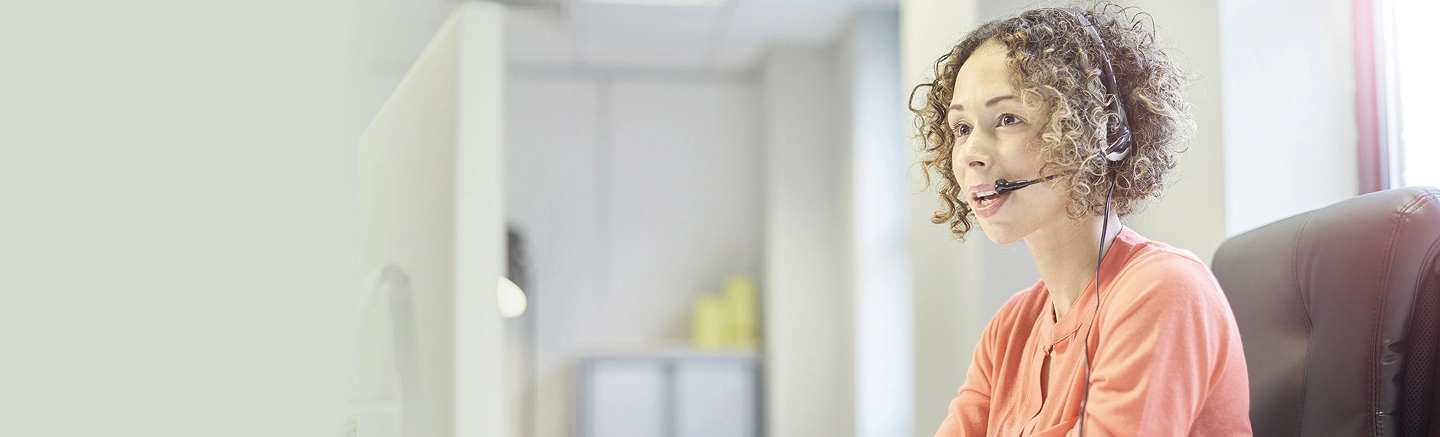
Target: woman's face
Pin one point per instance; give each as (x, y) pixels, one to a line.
(997, 137)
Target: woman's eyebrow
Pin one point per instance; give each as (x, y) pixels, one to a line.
(991, 102)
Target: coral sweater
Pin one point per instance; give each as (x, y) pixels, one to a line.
(1164, 347)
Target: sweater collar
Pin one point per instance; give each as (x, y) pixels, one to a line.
(1083, 312)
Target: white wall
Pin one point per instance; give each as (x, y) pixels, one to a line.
(556, 165)
(637, 191)
(806, 299)
(838, 311)
(884, 337)
(682, 203)
(1289, 91)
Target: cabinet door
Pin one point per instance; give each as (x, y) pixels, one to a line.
(716, 397)
(626, 398)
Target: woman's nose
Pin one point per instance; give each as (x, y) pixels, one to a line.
(975, 152)
(973, 162)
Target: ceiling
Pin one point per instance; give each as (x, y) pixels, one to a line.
(703, 35)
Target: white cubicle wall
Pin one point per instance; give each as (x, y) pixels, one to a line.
(430, 206)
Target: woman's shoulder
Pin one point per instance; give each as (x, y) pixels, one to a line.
(1156, 271)
(1025, 301)
(1154, 258)
(1021, 310)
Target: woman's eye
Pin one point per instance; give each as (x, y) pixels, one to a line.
(961, 129)
(1008, 119)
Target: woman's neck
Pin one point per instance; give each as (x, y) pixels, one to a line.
(1065, 255)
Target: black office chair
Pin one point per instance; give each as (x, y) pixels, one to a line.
(1339, 311)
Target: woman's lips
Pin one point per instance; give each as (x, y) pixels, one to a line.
(989, 206)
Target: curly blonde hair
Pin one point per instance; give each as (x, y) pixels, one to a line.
(1055, 64)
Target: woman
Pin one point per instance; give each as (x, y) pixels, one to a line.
(1155, 352)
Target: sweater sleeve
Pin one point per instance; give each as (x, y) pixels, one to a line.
(1161, 334)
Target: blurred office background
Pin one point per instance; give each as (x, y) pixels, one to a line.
(662, 161)
(653, 149)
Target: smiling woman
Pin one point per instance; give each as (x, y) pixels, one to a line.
(1086, 108)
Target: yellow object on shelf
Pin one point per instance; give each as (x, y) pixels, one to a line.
(740, 306)
(707, 322)
(728, 320)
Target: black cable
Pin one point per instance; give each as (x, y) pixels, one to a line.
(1099, 257)
(1114, 151)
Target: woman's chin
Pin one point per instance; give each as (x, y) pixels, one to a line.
(1000, 234)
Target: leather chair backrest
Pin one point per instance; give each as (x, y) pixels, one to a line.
(1339, 313)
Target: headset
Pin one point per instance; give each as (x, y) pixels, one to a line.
(1118, 144)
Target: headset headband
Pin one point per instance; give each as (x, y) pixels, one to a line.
(1118, 148)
